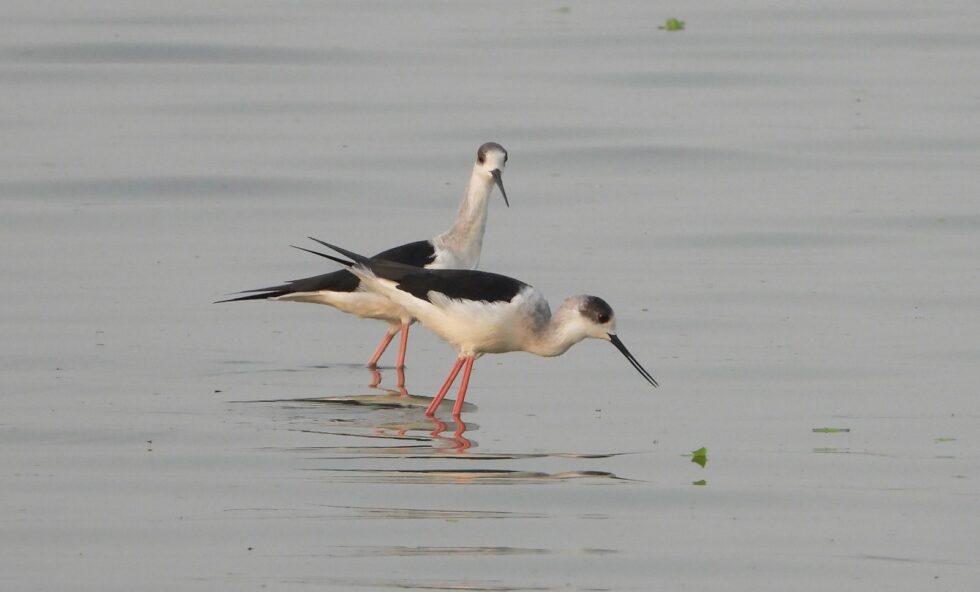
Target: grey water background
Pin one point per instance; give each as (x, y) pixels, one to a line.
(780, 202)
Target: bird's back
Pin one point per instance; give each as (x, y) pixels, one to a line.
(460, 284)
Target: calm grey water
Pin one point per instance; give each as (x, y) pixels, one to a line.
(780, 203)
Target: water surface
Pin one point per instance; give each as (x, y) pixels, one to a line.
(780, 204)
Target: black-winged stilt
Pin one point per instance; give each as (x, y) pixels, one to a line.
(457, 248)
(485, 313)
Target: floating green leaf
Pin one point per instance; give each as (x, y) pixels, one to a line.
(673, 24)
(938, 440)
(831, 430)
(700, 456)
(702, 482)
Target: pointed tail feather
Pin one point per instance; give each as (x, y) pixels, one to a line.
(357, 258)
(263, 295)
(330, 257)
(338, 281)
(382, 268)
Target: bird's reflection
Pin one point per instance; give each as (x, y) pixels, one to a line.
(376, 379)
(458, 442)
(396, 416)
(441, 444)
(380, 396)
(435, 428)
(388, 423)
(380, 434)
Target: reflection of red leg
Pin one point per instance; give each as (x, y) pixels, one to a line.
(401, 381)
(402, 347)
(375, 378)
(431, 409)
(459, 442)
(373, 362)
(462, 386)
(462, 443)
(440, 428)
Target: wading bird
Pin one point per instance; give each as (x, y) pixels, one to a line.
(457, 248)
(484, 313)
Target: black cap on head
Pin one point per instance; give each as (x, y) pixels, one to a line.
(481, 154)
(596, 309)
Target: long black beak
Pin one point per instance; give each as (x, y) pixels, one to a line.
(622, 348)
(500, 183)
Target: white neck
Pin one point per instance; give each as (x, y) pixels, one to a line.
(555, 335)
(465, 238)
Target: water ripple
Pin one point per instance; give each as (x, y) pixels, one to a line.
(186, 185)
(174, 53)
(455, 477)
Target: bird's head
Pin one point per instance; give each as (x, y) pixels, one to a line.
(491, 159)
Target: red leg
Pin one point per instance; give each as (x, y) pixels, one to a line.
(462, 386)
(402, 347)
(431, 409)
(373, 362)
(401, 380)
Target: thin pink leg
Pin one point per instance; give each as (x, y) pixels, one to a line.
(401, 380)
(462, 386)
(373, 362)
(431, 409)
(402, 347)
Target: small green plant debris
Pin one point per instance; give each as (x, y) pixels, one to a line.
(672, 24)
(700, 456)
(830, 430)
(938, 440)
(702, 482)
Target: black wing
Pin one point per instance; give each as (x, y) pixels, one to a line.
(460, 284)
(417, 254)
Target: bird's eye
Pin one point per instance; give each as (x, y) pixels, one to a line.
(603, 318)
(481, 158)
